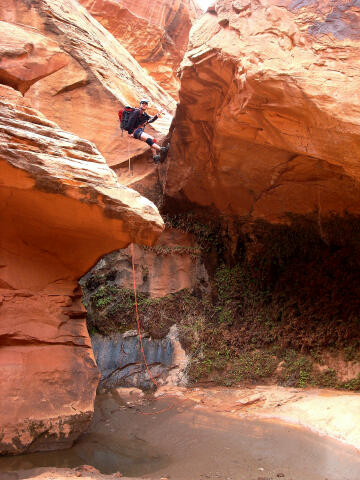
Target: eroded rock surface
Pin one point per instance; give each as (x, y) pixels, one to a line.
(100, 77)
(62, 208)
(86, 472)
(121, 362)
(269, 118)
(27, 56)
(324, 411)
(155, 33)
(171, 265)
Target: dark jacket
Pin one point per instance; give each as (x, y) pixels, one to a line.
(138, 119)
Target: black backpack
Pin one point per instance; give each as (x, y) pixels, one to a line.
(124, 115)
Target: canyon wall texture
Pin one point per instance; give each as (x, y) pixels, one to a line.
(268, 124)
(172, 264)
(62, 209)
(154, 32)
(100, 77)
(269, 118)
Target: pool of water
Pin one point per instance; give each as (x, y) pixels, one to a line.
(179, 439)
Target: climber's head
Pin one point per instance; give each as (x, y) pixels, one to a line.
(144, 104)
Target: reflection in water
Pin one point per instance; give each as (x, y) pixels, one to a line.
(188, 442)
(104, 452)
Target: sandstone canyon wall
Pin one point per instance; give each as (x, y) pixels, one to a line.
(266, 144)
(163, 272)
(267, 125)
(154, 32)
(269, 117)
(267, 129)
(62, 209)
(100, 78)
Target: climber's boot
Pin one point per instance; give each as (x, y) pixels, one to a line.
(164, 152)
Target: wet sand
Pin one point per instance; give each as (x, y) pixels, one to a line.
(187, 441)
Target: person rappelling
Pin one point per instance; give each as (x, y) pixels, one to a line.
(134, 120)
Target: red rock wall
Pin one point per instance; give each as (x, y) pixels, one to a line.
(100, 77)
(172, 264)
(268, 121)
(62, 209)
(155, 32)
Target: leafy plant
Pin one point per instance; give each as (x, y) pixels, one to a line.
(254, 365)
(353, 384)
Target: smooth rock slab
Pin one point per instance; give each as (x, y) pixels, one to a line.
(120, 360)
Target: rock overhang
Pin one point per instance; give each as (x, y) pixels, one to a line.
(57, 187)
(61, 209)
(268, 121)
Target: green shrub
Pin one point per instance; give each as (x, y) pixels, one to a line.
(351, 352)
(327, 379)
(353, 384)
(297, 370)
(253, 366)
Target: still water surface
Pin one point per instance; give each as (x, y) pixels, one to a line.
(187, 442)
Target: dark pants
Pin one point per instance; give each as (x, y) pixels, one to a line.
(137, 133)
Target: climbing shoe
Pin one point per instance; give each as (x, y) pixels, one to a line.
(164, 150)
(156, 158)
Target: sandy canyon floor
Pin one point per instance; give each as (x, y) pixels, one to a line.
(260, 433)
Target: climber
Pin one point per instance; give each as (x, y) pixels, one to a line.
(137, 121)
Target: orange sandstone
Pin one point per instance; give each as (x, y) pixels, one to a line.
(26, 56)
(100, 77)
(269, 118)
(62, 208)
(154, 32)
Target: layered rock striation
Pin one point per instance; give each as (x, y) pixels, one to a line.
(154, 32)
(269, 118)
(21, 49)
(100, 77)
(62, 208)
(172, 264)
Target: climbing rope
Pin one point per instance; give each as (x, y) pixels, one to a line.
(151, 11)
(140, 338)
(137, 317)
(128, 151)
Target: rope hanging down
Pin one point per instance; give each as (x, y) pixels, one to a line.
(128, 151)
(164, 410)
(137, 319)
(151, 11)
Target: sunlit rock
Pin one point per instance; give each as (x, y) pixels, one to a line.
(62, 209)
(269, 118)
(101, 76)
(155, 33)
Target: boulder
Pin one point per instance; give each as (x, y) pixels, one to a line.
(269, 119)
(62, 209)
